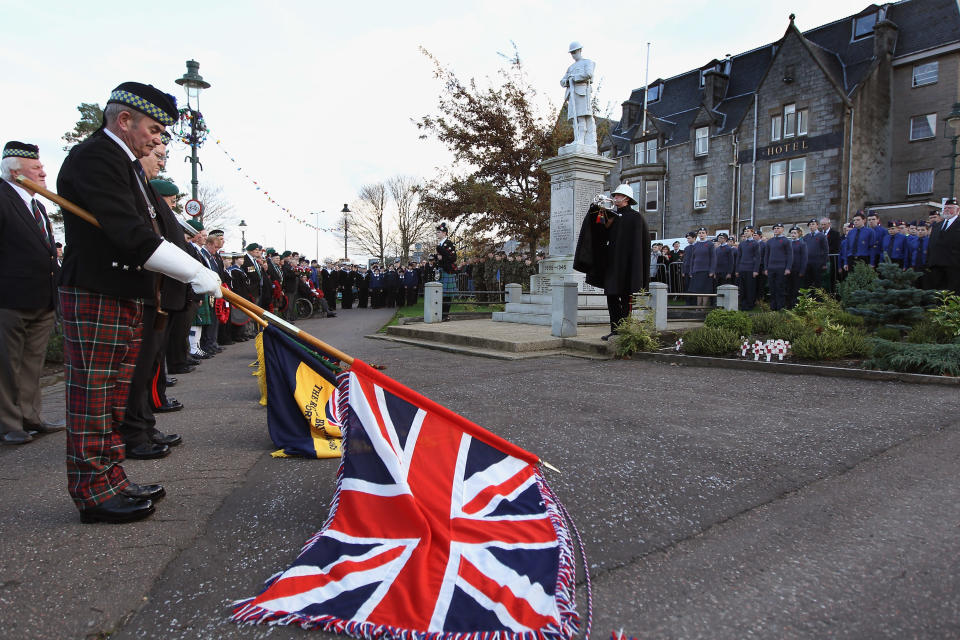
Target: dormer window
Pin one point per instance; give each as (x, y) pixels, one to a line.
(863, 26)
(653, 92)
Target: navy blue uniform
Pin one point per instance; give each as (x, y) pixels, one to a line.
(797, 272)
(748, 263)
(778, 258)
(817, 252)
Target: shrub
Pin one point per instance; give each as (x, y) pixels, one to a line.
(636, 335)
(55, 349)
(934, 359)
(947, 314)
(845, 319)
(736, 321)
(763, 323)
(831, 345)
(711, 341)
(789, 328)
(861, 278)
(928, 332)
(888, 333)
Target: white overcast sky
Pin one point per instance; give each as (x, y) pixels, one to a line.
(315, 99)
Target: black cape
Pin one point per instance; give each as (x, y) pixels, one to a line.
(615, 259)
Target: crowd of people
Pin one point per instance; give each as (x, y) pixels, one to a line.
(778, 266)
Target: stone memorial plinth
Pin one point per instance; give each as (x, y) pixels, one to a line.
(576, 177)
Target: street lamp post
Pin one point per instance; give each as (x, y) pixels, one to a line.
(953, 120)
(346, 224)
(243, 235)
(193, 82)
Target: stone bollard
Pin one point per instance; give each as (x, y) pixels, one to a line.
(514, 293)
(432, 302)
(563, 316)
(728, 297)
(658, 302)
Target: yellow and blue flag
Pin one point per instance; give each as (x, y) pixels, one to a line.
(301, 398)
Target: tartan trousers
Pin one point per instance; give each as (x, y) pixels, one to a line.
(102, 336)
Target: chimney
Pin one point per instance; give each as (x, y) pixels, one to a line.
(714, 87)
(884, 39)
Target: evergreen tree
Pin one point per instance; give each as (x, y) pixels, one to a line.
(891, 300)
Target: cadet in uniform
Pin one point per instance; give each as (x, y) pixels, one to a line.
(778, 260)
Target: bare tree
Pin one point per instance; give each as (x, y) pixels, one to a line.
(369, 228)
(216, 208)
(413, 221)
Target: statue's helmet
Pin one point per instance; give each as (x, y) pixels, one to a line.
(574, 46)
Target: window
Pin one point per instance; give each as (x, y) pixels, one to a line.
(925, 73)
(863, 26)
(924, 126)
(700, 191)
(638, 153)
(789, 121)
(787, 178)
(798, 168)
(653, 93)
(635, 187)
(802, 122)
(702, 81)
(703, 141)
(776, 127)
(778, 180)
(651, 150)
(920, 182)
(652, 199)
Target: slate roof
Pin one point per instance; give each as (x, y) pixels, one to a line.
(922, 25)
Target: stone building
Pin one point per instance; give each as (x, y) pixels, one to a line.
(846, 116)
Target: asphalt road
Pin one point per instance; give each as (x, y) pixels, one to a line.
(713, 503)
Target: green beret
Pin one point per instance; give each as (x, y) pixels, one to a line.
(285, 254)
(252, 246)
(270, 251)
(164, 187)
(196, 224)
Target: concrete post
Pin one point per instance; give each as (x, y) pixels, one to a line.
(728, 297)
(432, 302)
(514, 293)
(563, 322)
(658, 302)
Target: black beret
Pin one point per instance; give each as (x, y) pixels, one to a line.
(813, 221)
(796, 228)
(750, 227)
(778, 224)
(14, 149)
(147, 99)
(216, 232)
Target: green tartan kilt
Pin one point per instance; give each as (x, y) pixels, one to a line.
(449, 282)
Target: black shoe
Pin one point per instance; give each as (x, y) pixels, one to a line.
(151, 492)
(331, 315)
(608, 336)
(193, 362)
(45, 426)
(171, 440)
(16, 437)
(218, 349)
(171, 382)
(119, 508)
(148, 451)
(172, 405)
(186, 368)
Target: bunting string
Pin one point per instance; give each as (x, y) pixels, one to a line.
(266, 194)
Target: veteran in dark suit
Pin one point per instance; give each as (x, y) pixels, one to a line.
(103, 282)
(943, 252)
(28, 262)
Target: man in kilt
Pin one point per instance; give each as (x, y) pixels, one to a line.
(105, 277)
(447, 262)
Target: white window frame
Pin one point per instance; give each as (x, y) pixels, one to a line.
(931, 122)
(700, 188)
(701, 133)
(789, 120)
(928, 172)
(856, 22)
(796, 166)
(638, 153)
(926, 73)
(778, 180)
(651, 150)
(803, 121)
(776, 127)
(656, 195)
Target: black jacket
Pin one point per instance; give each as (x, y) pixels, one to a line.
(28, 256)
(99, 176)
(615, 259)
(944, 247)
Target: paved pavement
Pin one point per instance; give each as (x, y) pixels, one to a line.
(714, 503)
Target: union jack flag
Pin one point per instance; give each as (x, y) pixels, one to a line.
(438, 528)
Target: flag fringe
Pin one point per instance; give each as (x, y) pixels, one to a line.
(247, 613)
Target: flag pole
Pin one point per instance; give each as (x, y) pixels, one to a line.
(262, 316)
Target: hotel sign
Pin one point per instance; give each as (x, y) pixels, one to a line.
(793, 147)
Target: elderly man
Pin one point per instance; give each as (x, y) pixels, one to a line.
(104, 280)
(614, 251)
(28, 260)
(943, 252)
